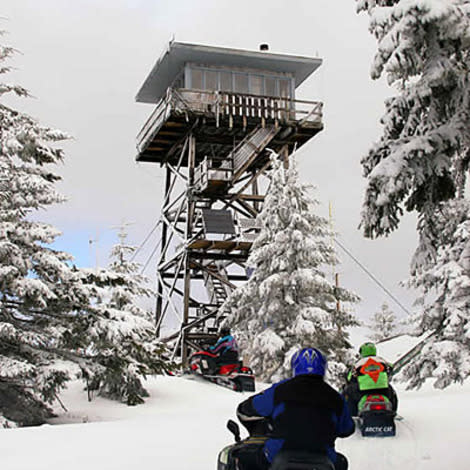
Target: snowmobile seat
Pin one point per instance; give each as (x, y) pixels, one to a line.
(292, 460)
(228, 357)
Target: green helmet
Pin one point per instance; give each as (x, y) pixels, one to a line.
(368, 349)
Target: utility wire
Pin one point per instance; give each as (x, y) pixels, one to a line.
(372, 277)
(151, 256)
(146, 239)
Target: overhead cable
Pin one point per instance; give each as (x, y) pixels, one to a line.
(151, 256)
(373, 277)
(146, 239)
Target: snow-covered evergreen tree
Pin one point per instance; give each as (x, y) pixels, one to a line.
(121, 336)
(289, 302)
(445, 302)
(31, 274)
(423, 50)
(421, 161)
(383, 323)
(49, 310)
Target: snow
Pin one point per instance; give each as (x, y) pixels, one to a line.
(182, 426)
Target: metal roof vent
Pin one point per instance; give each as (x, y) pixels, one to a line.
(264, 47)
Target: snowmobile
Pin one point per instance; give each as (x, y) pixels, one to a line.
(376, 416)
(235, 376)
(285, 460)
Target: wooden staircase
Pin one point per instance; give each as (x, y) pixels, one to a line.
(246, 152)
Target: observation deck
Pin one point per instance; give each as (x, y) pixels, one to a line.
(220, 119)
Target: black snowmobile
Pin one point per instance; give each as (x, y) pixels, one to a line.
(285, 460)
(233, 375)
(376, 416)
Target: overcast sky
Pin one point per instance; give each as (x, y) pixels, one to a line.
(84, 61)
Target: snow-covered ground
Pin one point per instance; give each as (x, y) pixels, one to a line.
(182, 426)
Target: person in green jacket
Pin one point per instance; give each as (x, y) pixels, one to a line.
(369, 376)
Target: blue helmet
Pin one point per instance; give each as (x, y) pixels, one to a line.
(308, 361)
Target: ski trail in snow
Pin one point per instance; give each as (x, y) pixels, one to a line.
(384, 453)
(421, 454)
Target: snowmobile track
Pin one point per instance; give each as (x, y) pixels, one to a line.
(385, 453)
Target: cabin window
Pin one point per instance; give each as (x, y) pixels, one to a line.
(197, 79)
(270, 86)
(210, 77)
(284, 91)
(256, 85)
(225, 81)
(240, 83)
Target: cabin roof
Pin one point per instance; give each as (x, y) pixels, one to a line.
(177, 54)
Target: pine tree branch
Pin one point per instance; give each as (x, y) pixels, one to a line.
(60, 402)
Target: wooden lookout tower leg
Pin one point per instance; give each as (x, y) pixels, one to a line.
(284, 153)
(158, 310)
(189, 230)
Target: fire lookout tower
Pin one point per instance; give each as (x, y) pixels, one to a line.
(218, 112)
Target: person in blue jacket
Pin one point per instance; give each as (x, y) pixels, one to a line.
(304, 414)
(226, 347)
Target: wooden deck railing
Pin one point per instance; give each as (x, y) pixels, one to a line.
(232, 105)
